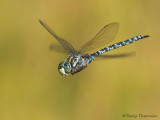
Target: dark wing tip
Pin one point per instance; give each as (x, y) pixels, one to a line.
(41, 21)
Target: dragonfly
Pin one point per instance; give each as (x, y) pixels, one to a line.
(79, 59)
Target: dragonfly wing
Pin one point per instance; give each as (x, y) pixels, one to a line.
(122, 55)
(103, 37)
(63, 42)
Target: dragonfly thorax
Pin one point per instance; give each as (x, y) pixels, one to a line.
(64, 68)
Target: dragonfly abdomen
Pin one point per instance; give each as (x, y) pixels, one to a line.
(120, 44)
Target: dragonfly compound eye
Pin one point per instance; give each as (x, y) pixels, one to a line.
(64, 68)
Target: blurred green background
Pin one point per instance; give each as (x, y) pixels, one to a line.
(31, 87)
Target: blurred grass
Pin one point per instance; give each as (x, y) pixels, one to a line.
(31, 87)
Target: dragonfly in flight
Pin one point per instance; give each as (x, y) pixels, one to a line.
(78, 59)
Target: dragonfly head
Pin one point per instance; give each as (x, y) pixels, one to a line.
(64, 68)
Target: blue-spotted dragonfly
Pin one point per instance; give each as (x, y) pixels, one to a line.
(78, 60)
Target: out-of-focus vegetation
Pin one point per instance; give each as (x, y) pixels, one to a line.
(31, 87)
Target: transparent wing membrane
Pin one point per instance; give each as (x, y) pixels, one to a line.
(103, 37)
(63, 42)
